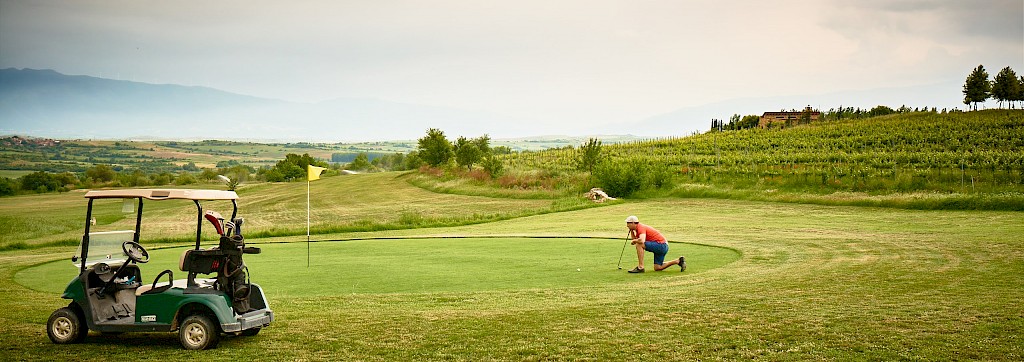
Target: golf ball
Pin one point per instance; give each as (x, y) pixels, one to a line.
(577, 269)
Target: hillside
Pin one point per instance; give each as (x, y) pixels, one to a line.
(384, 201)
(974, 152)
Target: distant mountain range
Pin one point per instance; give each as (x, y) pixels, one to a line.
(46, 103)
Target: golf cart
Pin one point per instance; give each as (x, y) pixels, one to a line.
(110, 295)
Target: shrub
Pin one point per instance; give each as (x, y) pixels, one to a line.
(493, 166)
(185, 179)
(101, 173)
(620, 179)
(7, 186)
(40, 182)
(658, 177)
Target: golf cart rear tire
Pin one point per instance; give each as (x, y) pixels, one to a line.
(65, 327)
(197, 332)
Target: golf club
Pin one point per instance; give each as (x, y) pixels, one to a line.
(628, 234)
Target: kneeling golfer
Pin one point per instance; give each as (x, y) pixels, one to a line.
(647, 238)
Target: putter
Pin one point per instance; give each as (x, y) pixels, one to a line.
(628, 233)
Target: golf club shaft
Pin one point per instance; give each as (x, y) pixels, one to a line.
(623, 248)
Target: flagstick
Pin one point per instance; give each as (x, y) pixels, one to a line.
(307, 222)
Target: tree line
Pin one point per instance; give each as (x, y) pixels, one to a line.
(736, 122)
(291, 168)
(1005, 87)
(435, 150)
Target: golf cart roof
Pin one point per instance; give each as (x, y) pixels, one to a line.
(162, 194)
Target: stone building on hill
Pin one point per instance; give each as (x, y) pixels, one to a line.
(808, 115)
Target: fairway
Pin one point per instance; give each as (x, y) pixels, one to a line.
(421, 265)
(766, 281)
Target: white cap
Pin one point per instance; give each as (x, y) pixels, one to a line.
(632, 218)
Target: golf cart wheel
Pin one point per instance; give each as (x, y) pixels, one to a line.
(197, 332)
(65, 326)
(250, 332)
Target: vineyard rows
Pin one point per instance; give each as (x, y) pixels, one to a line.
(923, 150)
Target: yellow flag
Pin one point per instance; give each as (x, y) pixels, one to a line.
(313, 172)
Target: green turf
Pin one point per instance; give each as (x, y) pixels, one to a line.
(421, 266)
(811, 283)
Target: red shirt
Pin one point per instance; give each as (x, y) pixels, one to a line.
(651, 233)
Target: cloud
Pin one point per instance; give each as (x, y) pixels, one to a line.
(540, 61)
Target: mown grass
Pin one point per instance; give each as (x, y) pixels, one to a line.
(367, 202)
(423, 265)
(812, 283)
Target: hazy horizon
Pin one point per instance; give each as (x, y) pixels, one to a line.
(550, 67)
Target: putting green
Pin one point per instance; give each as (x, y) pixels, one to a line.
(423, 265)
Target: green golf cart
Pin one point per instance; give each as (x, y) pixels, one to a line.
(111, 296)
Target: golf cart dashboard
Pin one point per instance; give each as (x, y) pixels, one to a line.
(102, 274)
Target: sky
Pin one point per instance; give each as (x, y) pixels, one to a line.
(551, 64)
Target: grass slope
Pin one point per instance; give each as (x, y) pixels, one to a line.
(354, 202)
(924, 160)
(812, 282)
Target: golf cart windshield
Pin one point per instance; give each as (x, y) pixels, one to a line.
(105, 247)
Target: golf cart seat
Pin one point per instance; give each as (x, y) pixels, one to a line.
(201, 261)
(178, 283)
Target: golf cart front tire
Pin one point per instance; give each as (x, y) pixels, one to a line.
(65, 326)
(197, 332)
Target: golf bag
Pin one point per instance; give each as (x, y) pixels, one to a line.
(233, 277)
(225, 260)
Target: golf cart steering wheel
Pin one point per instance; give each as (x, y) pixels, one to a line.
(135, 252)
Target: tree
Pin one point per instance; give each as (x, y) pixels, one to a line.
(238, 174)
(7, 186)
(589, 155)
(501, 150)
(292, 167)
(493, 166)
(977, 87)
(270, 174)
(467, 153)
(434, 148)
(880, 110)
(39, 182)
(1020, 91)
(208, 174)
(396, 161)
(66, 179)
(1006, 87)
(805, 116)
(483, 143)
(413, 161)
(361, 163)
(749, 121)
(184, 178)
(101, 173)
(134, 179)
